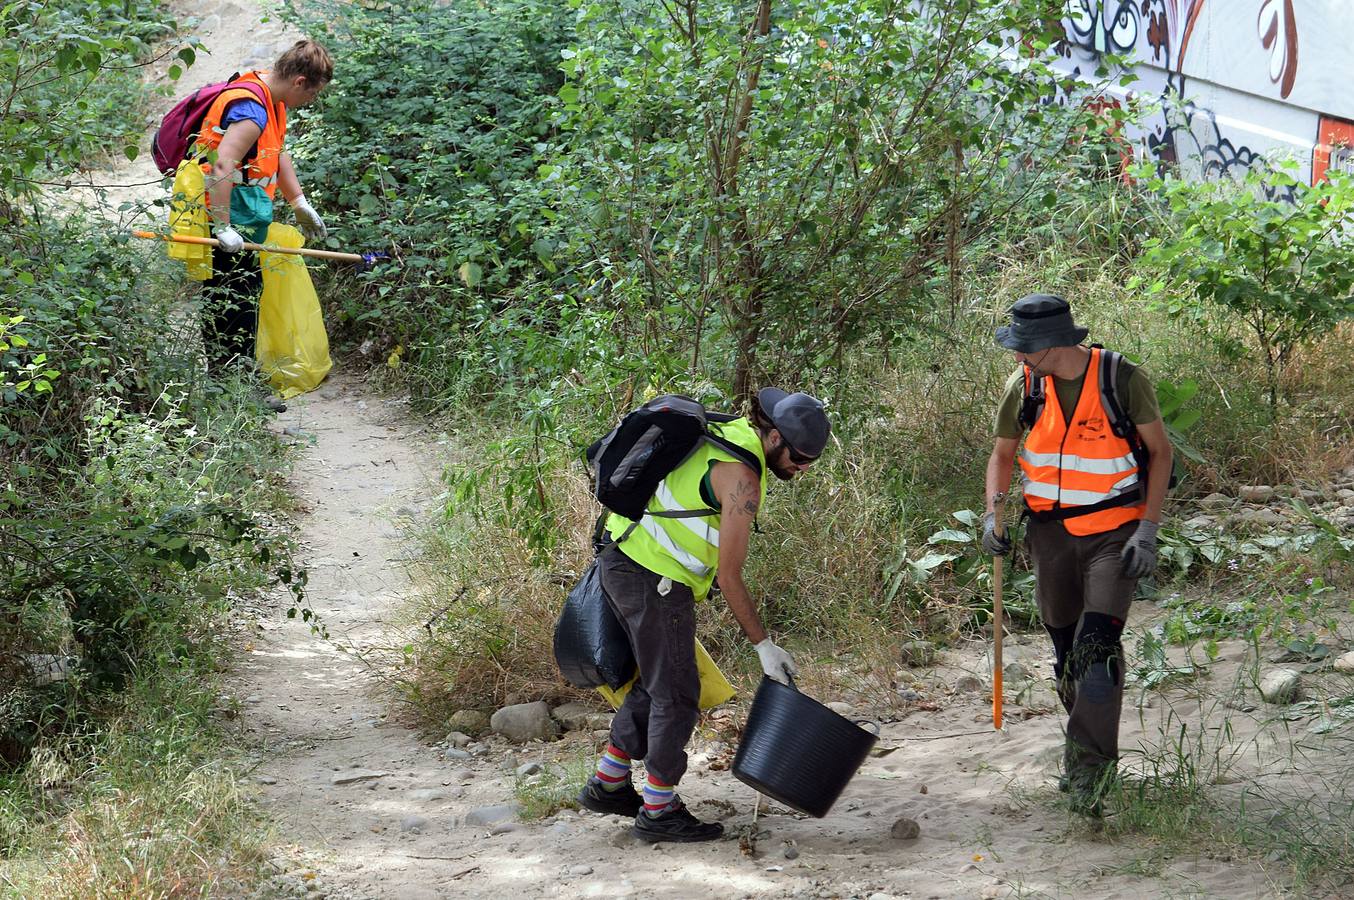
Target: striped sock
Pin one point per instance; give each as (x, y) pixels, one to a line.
(613, 769)
(657, 796)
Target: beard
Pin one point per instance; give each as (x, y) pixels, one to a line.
(781, 468)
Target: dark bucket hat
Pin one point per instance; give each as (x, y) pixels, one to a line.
(1040, 321)
(798, 417)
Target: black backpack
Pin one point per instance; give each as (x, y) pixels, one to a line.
(649, 443)
(1032, 405)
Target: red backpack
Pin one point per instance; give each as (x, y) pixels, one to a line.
(181, 124)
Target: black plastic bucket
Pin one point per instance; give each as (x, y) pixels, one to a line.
(797, 751)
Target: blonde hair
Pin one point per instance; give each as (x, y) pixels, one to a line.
(305, 58)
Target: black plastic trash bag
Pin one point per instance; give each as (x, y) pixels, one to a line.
(591, 648)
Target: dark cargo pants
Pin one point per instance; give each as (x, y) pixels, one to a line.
(660, 711)
(1084, 598)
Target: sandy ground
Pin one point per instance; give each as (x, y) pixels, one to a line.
(364, 806)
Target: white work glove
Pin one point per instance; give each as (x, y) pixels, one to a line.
(228, 239)
(312, 226)
(776, 663)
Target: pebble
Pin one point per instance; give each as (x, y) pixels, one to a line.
(492, 815)
(908, 694)
(504, 828)
(1256, 493)
(531, 768)
(790, 852)
(580, 870)
(458, 738)
(917, 653)
(456, 753)
(522, 722)
(968, 684)
(840, 707)
(352, 776)
(426, 795)
(1216, 501)
(1015, 672)
(413, 823)
(905, 829)
(1345, 663)
(1281, 686)
(265, 779)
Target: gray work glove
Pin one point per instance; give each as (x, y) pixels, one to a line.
(1140, 553)
(997, 546)
(776, 663)
(229, 240)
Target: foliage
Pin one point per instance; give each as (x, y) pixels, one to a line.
(426, 142)
(66, 67)
(1285, 268)
(786, 180)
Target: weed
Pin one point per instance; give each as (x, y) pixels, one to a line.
(554, 788)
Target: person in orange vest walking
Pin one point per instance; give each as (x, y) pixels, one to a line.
(1096, 465)
(240, 147)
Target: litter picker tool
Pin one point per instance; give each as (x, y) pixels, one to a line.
(999, 508)
(367, 259)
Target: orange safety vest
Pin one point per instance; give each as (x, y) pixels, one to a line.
(1083, 464)
(262, 169)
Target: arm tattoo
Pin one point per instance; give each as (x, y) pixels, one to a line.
(744, 497)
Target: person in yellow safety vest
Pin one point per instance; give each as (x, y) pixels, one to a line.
(241, 150)
(654, 573)
(1093, 513)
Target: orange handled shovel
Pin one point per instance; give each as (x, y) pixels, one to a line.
(999, 506)
(213, 242)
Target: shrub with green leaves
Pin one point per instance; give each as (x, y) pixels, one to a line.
(1283, 267)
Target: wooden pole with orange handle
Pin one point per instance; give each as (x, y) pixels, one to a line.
(213, 242)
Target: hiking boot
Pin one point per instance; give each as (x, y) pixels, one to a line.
(623, 801)
(677, 825)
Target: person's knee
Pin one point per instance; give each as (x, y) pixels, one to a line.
(1097, 651)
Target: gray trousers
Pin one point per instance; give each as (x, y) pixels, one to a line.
(1084, 598)
(660, 711)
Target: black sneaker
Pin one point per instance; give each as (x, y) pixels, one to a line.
(677, 825)
(623, 801)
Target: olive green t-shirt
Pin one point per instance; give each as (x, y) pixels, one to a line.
(1136, 396)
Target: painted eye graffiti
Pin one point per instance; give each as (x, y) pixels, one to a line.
(1123, 33)
(1080, 16)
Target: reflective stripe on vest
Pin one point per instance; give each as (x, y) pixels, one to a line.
(1080, 464)
(686, 549)
(262, 170)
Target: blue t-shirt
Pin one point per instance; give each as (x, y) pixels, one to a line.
(245, 110)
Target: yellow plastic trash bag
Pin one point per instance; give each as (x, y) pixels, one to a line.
(188, 216)
(715, 688)
(292, 347)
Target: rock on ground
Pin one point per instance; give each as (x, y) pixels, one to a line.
(1345, 663)
(1281, 686)
(524, 722)
(905, 829)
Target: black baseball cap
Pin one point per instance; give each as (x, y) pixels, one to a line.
(799, 418)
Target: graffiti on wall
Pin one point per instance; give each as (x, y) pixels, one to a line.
(1237, 84)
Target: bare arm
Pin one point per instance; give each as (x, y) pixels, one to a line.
(999, 467)
(739, 494)
(286, 178)
(1158, 446)
(236, 142)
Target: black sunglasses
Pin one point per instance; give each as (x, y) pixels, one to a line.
(796, 457)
